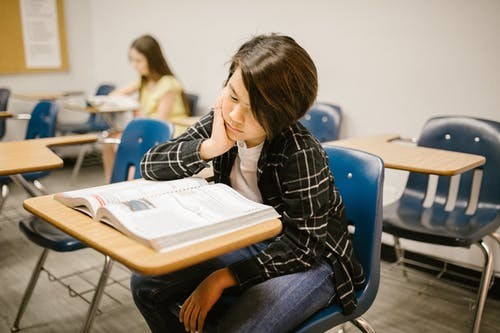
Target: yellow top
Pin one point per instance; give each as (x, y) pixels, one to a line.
(150, 97)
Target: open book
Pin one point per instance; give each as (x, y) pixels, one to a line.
(112, 103)
(168, 214)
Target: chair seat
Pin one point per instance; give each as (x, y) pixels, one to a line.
(46, 235)
(435, 225)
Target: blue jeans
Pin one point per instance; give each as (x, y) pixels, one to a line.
(276, 305)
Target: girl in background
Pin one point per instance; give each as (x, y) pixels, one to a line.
(161, 95)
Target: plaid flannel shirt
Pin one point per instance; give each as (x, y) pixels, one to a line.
(294, 177)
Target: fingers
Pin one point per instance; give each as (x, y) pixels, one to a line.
(190, 315)
(201, 321)
(193, 320)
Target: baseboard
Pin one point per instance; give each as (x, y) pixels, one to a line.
(472, 279)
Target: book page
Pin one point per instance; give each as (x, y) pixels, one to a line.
(99, 196)
(174, 213)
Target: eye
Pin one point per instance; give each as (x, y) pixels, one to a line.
(233, 98)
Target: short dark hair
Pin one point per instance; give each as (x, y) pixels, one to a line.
(280, 77)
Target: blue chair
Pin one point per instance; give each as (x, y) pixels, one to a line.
(359, 177)
(42, 124)
(4, 100)
(139, 136)
(95, 123)
(444, 221)
(323, 121)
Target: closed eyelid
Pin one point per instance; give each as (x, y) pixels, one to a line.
(234, 95)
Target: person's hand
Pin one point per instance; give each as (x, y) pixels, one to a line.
(195, 308)
(219, 142)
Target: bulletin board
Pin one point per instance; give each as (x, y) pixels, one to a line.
(14, 45)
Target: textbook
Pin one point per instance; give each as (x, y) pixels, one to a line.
(112, 103)
(168, 214)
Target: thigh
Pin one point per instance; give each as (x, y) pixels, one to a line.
(280, 304)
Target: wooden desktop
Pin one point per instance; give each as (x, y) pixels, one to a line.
(135, 255)
(402, 156)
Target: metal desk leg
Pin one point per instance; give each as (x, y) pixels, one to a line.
(108, 264)
(24, 184)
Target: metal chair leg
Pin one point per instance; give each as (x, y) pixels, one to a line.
(483, 286)
(496, 237)
(400, 255)
(40, 187)
(29, 289)
(79, 162)
(363, 325)
(108, 264)
(4, 193)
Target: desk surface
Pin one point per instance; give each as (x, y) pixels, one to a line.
(407, 157)
(36, 96)
(133, 254)
(34, 155)
(97, 109)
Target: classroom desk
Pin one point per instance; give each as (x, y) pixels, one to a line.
(412, 158)
(135, 255)
(17, 157)
(5, 114)
(51, 96)
(107, 111)
(97, 109)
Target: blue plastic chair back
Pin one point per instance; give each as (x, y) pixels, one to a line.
(323, 121)
(42, 123)
(138, 137)
(459, 225)
(359, 177)
(4, 101)
(467, 135)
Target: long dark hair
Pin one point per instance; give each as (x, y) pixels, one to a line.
(149, 47)
(280, 77)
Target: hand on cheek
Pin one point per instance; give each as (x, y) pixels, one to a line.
(219, 142)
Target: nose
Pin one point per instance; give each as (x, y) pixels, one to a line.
(236, 114)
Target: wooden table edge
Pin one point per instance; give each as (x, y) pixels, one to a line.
(157, 263)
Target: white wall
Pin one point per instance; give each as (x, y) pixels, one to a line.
(389, 64)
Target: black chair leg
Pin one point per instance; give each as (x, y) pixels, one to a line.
(29, 289)
(483, 286)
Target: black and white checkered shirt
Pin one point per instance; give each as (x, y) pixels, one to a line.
(293, 176)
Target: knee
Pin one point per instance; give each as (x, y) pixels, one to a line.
(141, 289)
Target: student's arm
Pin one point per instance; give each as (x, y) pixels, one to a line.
(180, 157)
(129, 89)
(307, 198)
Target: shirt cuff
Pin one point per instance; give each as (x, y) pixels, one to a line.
(191, 158)
(247, 272)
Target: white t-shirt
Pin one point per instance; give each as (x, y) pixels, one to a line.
(243, 175)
